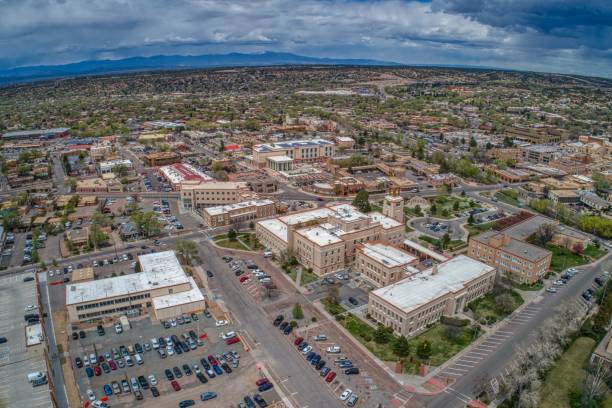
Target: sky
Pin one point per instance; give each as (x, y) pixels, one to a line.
(567, 36)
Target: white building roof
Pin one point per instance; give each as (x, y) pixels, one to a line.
(319, 236)
(222, 209)
(413, 292)
(387, 254)
(180, 298)
(179, 172)
(280, 159)
(291, 144)
(109, 164)
(306, 216)
(385, 221)
(345, 139)
(159, 269)
(424, 250)
(34, 334)
(276, 227)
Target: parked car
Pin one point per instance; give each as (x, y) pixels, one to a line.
(330, 377)
(345, 394)
(265, 387)
(352, 401)
(175, 385)
(205, 396)
(333, 349)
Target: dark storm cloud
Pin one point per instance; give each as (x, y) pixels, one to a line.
(559, 36)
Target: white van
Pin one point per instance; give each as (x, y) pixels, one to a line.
(155, 343)
(36, 376)
(138, 359)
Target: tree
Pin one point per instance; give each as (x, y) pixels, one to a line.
(101, 220)
(505, 303)
(11, 220)
(545, 233)
(578, 248)
(383, 335)
(433, 208)
(297, 311)
(120, 170)
(424, 349)
(456, 206)
(594, 384)
(232, 234)
(601, 182)
(452, 333)
(97, 237)
(362, 202)
(401, 346)
(445, 241)
(471, 219)
(333, 294)
(187, 249)
(147, 223)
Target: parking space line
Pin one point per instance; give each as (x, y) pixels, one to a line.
(482, 354)
(464, 365)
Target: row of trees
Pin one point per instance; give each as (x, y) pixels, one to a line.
(594, 224)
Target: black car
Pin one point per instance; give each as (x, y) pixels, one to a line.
(279, 319)
(288, 329)
(239, 272)
(283, 325)
(205, 364)
(143, 382)
(138, 348)
(82, 334)
(28, 279)
(105, 368)
(226, 368)
(202, 378)
(162, 342)
(75, 335)
(169, 374)
(155, 392)
(351, 371)
(30, 316)
(78, 362)
(187, 370)
(260, 401)
(177, 372)
(353, 301)
(320, 365)
(101, 331)
(186, 403)
(193, 335)
(249, 402)
(209, 274)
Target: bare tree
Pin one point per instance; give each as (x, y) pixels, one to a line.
(594, 385)
(545, 233)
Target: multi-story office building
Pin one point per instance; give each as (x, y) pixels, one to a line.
(299, 151)
(539, 153)
(326, 239)
(382, 264)
(412, 304)
(197, 196)
(243, 211)
(537, 134)
(515, 259)
(162, 286)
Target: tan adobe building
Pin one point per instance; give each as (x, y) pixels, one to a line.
(382, 264)
(393, 206)
(162, 158)
(300, 151)
(515, 259)
(536, 134)
(412, 304)
(316, 235)
(162, 286)
(197, 196)
(243, 211)
(92, 185)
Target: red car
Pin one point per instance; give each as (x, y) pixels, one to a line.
(100, 359)
(232, 340)
(261, 381)
(330, 377)
(212, 360)
(97, 370)
(175, 385)
(298, 341)
(244, 278)
(112, 365)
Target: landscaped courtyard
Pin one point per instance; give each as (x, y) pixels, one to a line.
(245, 241)
(449, 206)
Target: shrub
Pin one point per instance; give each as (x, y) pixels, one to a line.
(455, 321)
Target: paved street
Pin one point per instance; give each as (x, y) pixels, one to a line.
(491, 355)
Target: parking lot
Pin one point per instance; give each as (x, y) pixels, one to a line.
(230, 387)
(17, 360)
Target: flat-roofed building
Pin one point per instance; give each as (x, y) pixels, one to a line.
(197, 196)
(36, 134)
(301, 151)
(162, 158)
(594, 201)
(280, 163)
(178, 173)
(515, 259)
(106, 167)
(92, 185)
(382, 264)
(240, 212)
(540, 153)
(563, 196)
(536, 134)
(348, 226)
(412, 304)
(162, 285)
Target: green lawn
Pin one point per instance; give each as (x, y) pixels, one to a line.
(332, 308)
(452, 245)
(526, 286)
(508, 197)
(566, 375)
(478, 228)
(487, 311)
(563, 258)
(308, 277)
(242, 241)
(445, 206)
(593, 252)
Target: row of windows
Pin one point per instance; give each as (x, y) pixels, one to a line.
(113, 301)
(107, 312)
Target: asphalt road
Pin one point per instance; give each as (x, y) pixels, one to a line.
(495, 354)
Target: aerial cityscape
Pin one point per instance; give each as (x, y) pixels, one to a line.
(254, 215)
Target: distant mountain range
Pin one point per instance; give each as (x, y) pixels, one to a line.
(172, 62)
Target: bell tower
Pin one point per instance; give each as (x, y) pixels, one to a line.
(393, 206)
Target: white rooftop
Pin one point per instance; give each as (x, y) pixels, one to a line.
(180, 172)
(385, 221)
(319, 236)
(276, 227)
(413, 292)
(34, 334)
(280, 159)
(159, 269)
(180, 298)
(388, 255)
(347, 212)
(222, 209)
(109, 164)
(306, 216)
(345, 139)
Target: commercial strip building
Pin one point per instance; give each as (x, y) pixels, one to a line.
(326, 239)
(382, 264)
(300, 151)
(515, 259)
(162, 286)
(197, 196)
(179, 173)
(37, 134)
(412, 304)
(536, 134)
(237, 213)
(161, 158)
(106, 167)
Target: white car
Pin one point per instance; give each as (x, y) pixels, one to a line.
(267, 254)
(220, 323)
(95, 264)
(307, 350)
(155, 343)
(118, 328)
(30, 307)
(51, 273)
(91, 395)
(345, 395)
(196, 369)
(333, 349)
(152, 379)
(228, 335)
(170, 350)
(173, 322)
